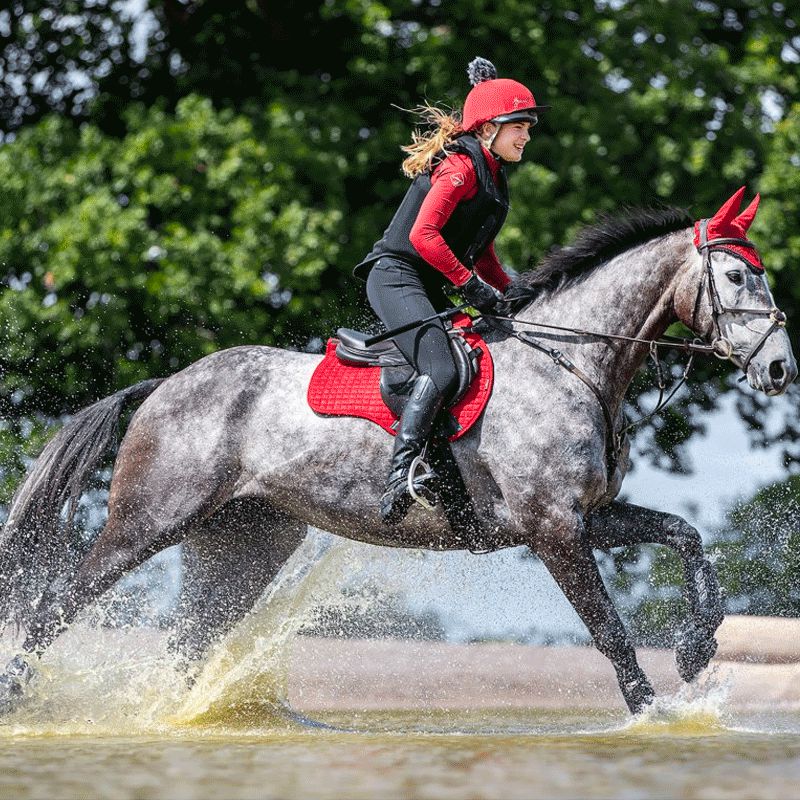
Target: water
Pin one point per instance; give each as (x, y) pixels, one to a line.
(109, 716)
(402, 755)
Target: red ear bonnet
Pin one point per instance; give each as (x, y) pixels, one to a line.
(728, 223)
(749, 214)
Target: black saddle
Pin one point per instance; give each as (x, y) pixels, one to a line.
(397, 375)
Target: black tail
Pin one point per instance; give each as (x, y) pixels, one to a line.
(33, 548)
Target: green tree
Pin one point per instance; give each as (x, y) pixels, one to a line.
(758, 553)
(218, 168)
(55, 53)
(777, 230)
(131, 257)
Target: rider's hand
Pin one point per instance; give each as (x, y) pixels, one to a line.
(479, 294)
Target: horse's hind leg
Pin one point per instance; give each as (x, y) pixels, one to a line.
(564, 550)
(151, 507)
(228, 562)
(126, 541)
(623, 524)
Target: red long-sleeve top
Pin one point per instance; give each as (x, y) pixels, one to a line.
(452, 182)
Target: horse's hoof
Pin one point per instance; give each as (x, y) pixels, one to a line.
(636, 690)
(17, 676)
(694, 648)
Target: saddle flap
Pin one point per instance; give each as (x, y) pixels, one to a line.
(397, 384)
(339, 388)
(351, 348)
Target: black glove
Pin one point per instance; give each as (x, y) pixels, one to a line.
(479, 294)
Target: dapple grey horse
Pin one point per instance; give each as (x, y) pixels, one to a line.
(227, 457)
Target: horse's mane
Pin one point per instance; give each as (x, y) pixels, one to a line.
(594, 245)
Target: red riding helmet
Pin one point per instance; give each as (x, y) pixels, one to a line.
(494, 99)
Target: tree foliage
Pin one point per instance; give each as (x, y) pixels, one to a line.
(134, 256)
(184, 175)
(758, 553)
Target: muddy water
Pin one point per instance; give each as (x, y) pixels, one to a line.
(109, 716)
(394, 755)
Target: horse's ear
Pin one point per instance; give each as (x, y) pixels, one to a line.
(748, 215)
(730, 208)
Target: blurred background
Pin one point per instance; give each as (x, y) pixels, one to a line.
(182, 176)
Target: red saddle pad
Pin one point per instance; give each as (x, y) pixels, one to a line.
(345, 390)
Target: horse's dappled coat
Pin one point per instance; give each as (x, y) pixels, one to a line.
(227, 457)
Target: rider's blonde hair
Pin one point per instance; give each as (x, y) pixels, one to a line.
(425, 147)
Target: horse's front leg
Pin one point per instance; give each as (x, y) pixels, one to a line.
(623, 524)
(563, 548)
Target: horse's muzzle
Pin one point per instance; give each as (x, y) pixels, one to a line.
(782, 372)
(773, 377)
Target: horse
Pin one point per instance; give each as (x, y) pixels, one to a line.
(226, 456)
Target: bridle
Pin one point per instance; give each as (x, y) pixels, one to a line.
(722, 347)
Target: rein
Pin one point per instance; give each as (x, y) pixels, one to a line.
(614, 440)
(674, 342)
(720, 347)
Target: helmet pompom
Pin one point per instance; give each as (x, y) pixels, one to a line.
(480, 70)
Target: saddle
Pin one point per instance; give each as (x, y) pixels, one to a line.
(398, 376)
(374, 383)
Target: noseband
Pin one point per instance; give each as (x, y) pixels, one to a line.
(722, 347)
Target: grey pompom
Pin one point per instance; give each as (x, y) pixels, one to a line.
(480, 70)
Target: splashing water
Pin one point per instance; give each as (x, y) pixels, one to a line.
(696, 709)
(244, 682)
(96, 680)
(125, 681)
(102, 680)
(99, 681)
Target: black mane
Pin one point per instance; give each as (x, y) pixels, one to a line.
(594, 245)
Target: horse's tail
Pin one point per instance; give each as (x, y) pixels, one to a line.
(37, 543)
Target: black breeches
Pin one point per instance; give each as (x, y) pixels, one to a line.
(398, 295)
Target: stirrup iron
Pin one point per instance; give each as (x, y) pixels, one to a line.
(419, 463)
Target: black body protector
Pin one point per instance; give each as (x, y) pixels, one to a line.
(472, 227)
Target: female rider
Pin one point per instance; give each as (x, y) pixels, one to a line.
(443, 232)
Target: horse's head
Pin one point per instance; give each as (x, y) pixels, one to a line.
(725, 298)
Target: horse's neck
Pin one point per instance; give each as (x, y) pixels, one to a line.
(630, 295)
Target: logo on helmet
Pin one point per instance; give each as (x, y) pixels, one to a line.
(520, 101)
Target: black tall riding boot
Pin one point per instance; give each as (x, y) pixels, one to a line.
(416, 424)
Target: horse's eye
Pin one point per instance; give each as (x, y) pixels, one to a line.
(735, 276)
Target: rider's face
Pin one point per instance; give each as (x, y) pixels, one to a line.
(511, 139)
